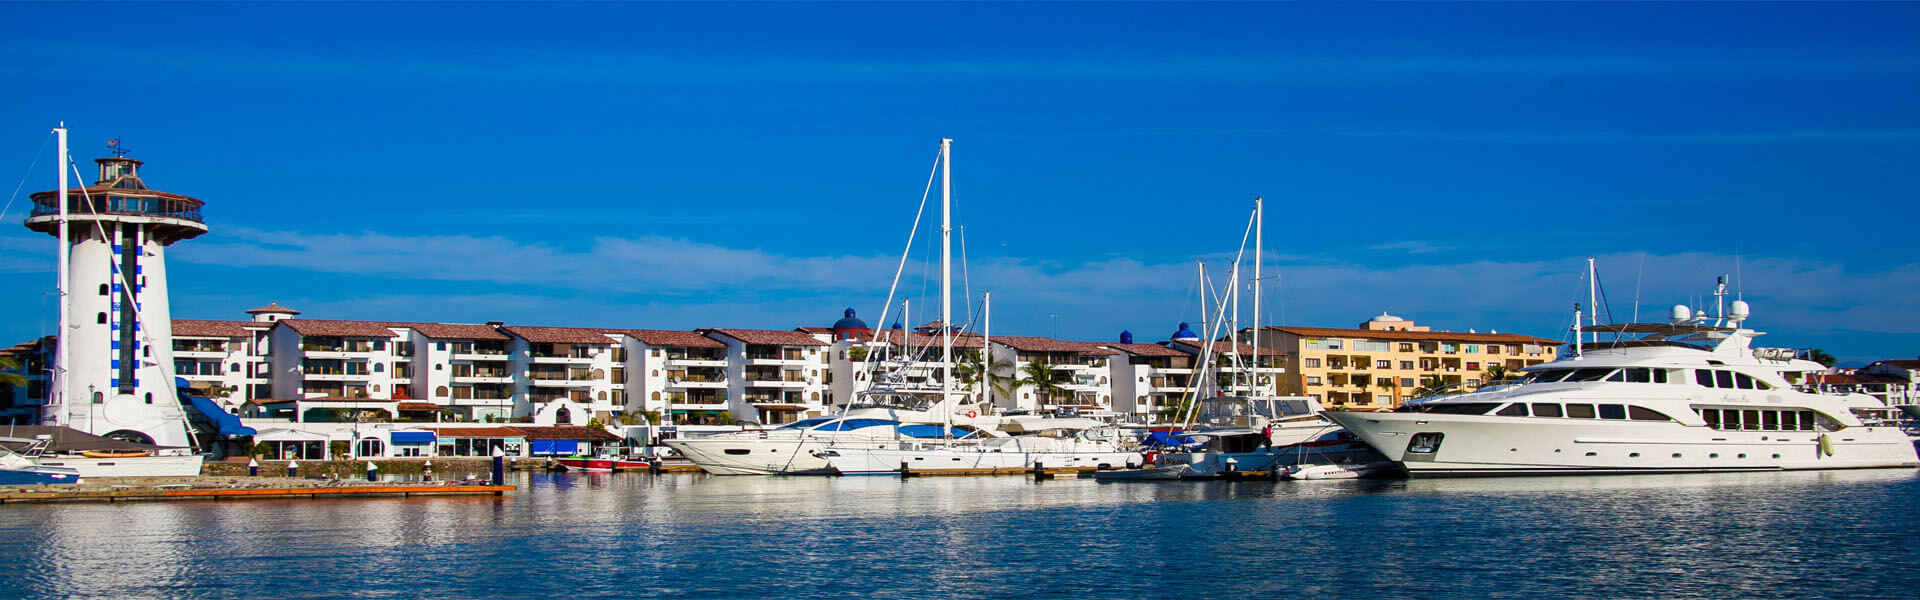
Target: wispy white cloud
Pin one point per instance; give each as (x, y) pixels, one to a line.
(656, 281)
(1409, 247)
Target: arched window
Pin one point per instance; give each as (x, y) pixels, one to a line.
(440, 392)
(103, 289)
(376, 388)
(379, 367)
(563, 416)
(603, 395)
(149, 397)
(816, 396)
(100, 318)
(370, 447)
(598, 374)
(656, 396)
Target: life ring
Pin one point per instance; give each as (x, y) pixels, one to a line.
(972, 414)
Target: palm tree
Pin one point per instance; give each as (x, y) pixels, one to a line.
(1000, 375)
(1495, 373)
(1039, 374)
(7, 363)
(1433, 385)
(1821, 356)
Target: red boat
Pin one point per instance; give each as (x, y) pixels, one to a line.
(604, 462)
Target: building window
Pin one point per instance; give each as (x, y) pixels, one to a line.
(441, 392)
(379, 367)
(1384, 364)
(101, 318)
(1313, 363)
(1313, 380)
(1406, 364)
(1406, 382)
(103, 289)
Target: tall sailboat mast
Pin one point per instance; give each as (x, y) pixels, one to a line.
(986, 350)
(946, 275)
(1258, 225)
(63, 361)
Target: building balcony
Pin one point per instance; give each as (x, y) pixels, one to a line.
(503, 401)
(563, 383)
(323, 376)
(689, 406)
(481, 356)
(1170, 371)
(689, 384)
(562, 360)
(482, 379)
(695, 362)
(199, 354)
(335, 353)
(776, 362)
(776, 383)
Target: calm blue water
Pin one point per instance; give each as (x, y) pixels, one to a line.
(1839, 534)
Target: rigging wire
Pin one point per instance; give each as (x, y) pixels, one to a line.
(888, 306)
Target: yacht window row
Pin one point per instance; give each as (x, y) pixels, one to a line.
(1713, 378)
(1622, 412)
(1748, 419)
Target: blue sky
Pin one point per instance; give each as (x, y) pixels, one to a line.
(746, 165)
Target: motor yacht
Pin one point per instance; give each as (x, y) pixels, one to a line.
(1689, 395)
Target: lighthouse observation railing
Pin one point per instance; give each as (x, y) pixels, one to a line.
(111, 204)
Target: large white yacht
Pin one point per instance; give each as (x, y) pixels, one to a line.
(1690, 395)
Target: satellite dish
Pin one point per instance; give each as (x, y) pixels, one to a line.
(1740, 310)
(1681, 314)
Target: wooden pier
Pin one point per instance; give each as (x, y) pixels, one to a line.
(244, 489)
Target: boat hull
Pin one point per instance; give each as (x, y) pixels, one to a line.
(39, 476)
(1481, 445)
(142, 466)
(852, 461)
(774, 456)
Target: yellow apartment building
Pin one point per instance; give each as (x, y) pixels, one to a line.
(1380, 363)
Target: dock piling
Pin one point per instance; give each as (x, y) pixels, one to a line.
(499, 467)
(373, 471)
(293, 468)
(253, 468)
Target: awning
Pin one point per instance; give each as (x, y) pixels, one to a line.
(412, 437)
(228, 424)
(554, 447)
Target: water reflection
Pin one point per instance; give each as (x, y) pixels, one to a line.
(641, 535)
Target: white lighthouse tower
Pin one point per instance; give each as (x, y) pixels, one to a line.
(114, 374)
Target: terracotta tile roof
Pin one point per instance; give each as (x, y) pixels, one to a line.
(420, 407)
(219, 329)
(1432, 336)
(816, 330)
(560, 335)
(1193, 347)
(566, 432)
(674, 339)
(781, 407)
(319, 399)
(929, 340)
(475, 432)
(273, 307)
(1145, 349)
(1904, 364)
(342, 328)
(767, 336)
(458, 331)
(1857, 378)
(1047, 344)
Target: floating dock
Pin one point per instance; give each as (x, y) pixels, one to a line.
(109, 490)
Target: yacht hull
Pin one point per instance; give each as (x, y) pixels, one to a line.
(141, 466)
(1480, 445)
(774, 456)
(854, 461)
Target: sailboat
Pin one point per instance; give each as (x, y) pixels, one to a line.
(797, 448)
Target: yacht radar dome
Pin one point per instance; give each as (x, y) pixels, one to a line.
(1680, 314)
(1740, 310)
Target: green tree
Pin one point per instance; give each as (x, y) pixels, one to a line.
(1494, 373)
(971, 373)
(7, 377)
(1822, 357)
(1039, 375)
(1433, 385)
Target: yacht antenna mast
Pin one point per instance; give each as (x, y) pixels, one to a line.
(986, 350)
(1593, 299)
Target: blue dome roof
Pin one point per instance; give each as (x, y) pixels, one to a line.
(849, 322)
(1185, 333)
(1126, 337)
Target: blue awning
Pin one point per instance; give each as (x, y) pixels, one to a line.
(554, 447)
(412, 437)
(229, 425)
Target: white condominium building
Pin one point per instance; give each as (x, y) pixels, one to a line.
(773, 376)
(568, 375)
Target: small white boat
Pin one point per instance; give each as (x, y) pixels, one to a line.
(1346, 471)
(1155, 473)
